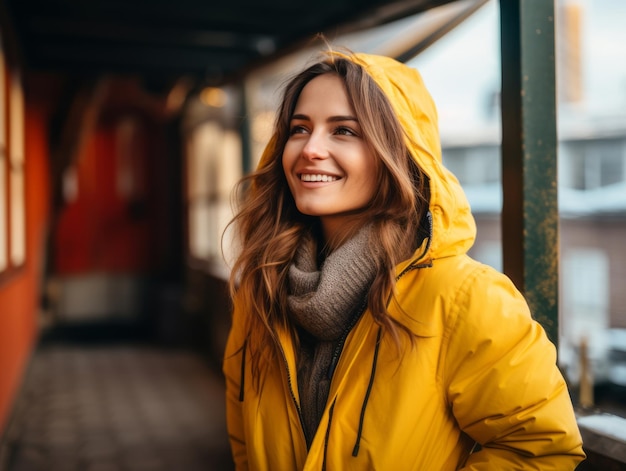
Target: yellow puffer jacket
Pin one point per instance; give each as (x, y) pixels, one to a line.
(481, 370)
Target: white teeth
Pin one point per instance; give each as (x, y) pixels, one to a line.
(317, 178)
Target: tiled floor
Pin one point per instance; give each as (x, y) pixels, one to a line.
(118, 408)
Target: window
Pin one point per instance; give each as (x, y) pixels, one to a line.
(202, 154)
(610, 162)
(572, 165)
(585, 305)
(12, 196)
(474, 164)
(213, 167)
(3, 166)
(17, 210)
(595, 163)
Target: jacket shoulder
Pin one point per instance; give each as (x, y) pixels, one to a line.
(431, 299)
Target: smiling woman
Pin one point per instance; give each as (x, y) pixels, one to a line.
(363, 335)
(328, 164)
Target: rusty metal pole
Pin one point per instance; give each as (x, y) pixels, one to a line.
(529, 155)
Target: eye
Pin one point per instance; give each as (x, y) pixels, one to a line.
(297, 129)
(345, 131)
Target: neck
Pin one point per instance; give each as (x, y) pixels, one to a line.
(337, 230)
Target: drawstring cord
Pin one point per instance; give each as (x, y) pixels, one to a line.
(429, 221)
(355, 451)
(330, 420)
(357, 444)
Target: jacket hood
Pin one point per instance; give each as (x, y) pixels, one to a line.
(453, 228)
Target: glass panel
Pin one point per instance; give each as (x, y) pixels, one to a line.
(592, 125)
(16, 174)
(214, 166)
(572, 165)
(3, 177)
(585, 283)
(611, 160)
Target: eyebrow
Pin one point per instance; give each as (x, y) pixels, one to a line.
(331, 119)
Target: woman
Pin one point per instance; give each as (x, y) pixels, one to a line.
(364, 337)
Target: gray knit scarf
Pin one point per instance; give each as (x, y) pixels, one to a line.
(322, 303)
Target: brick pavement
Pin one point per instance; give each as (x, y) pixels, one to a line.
(118, 408)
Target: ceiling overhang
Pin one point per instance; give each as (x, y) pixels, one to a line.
(167, 38)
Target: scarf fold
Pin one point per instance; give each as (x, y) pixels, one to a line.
(322, 302)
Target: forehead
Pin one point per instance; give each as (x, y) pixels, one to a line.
(325, 92)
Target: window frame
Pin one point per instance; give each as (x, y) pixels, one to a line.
(13, 231)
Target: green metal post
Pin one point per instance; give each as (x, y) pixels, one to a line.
(529, 146)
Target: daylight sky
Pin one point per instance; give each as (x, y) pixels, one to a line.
(463, 69)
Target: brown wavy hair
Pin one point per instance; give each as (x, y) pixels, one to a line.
(270, 227)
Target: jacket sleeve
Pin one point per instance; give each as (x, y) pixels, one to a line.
(233, 368)
(503, 385)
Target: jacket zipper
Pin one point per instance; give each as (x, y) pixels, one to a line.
(293, 395)
(342, 340)
(427, 264)
(339, 348)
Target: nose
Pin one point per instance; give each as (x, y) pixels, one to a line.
(315, 147)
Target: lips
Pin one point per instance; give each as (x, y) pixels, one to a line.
(317, 177)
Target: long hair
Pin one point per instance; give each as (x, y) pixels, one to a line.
(270, 227)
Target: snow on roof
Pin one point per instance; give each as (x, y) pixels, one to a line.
(605, 424)
(487, 199)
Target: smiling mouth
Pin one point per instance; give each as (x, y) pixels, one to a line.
(306, 177)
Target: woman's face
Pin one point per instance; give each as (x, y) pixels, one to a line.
(330, 170)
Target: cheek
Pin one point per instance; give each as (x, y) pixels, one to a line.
(286, 165)
(286, 162)
(369, 171)
(369, 191)
(288, 157)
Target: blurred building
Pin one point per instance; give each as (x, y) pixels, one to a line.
(591, 163)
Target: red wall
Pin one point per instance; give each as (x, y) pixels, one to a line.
(20, 289)
(102, 230)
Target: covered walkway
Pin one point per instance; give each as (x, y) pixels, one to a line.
(117, 407)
